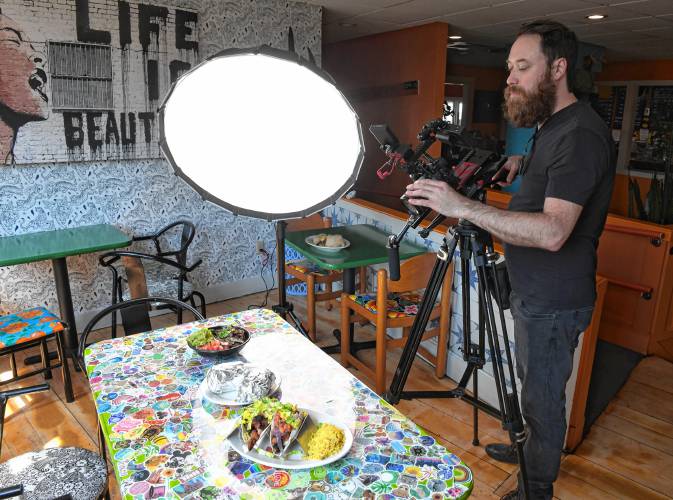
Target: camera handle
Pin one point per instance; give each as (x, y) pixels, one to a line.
(394, 240)
(475, 244)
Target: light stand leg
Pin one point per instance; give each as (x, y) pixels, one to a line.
(284, 308)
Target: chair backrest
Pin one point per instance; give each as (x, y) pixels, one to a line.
(414, 273)
(134, 269)
(315, 221)
(135, 317)
(164, 238)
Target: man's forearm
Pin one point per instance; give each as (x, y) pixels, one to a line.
(518, 228)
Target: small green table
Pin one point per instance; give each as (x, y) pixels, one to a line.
(367, 247)
(56, 246)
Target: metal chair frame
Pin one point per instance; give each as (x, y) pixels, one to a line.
(174, 258)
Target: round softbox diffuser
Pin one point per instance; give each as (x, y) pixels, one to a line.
(262, 132)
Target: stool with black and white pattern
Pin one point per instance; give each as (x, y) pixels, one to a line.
(52, 473)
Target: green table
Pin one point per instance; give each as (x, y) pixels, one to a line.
(367, 247)
(56, 246)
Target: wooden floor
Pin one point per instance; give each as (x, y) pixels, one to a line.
(627, 454)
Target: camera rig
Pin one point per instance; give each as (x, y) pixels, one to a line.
(469, 170)
(467, 166)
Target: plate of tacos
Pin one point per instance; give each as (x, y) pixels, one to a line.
(282, 435)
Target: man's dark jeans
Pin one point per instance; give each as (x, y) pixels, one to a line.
(545, 343)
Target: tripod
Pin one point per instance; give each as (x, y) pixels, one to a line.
(284, 308)
(475, 244)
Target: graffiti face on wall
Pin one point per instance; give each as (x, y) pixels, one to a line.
(23, 85)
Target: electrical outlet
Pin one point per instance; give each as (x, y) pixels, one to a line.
(260, 246)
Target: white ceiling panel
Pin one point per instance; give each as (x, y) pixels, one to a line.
(426, 10)
(620, 38)
(639, 24)
(666, 33)
(632, 29)
(650, 7)
(350, 9)
(336, 33)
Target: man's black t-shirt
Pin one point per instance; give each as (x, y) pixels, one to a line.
(573, 159)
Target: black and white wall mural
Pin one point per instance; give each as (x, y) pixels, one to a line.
(67, 162)
(82, 80)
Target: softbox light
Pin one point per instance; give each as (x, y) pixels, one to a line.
(263, 133)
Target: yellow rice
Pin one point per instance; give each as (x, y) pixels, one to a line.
(326, 441)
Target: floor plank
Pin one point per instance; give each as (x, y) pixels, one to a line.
(654, 372)
(628, 453)
(646, 399)
(603, 479)
(625, 456)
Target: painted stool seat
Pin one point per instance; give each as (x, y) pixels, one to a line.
(306, 266)
(399, 305)
(57, 472)
(28, 325)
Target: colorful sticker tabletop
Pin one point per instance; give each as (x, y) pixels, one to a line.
(166, 441)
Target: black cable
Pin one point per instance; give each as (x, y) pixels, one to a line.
(266, 261)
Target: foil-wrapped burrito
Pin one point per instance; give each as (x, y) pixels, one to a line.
(243, 381)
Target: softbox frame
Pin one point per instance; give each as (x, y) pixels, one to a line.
(291, 57)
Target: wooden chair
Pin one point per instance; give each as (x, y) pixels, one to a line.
(32, 328)
(304, 271)
(394, 305)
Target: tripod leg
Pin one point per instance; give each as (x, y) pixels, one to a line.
(475, 415)
(444, 258)
(508, 400)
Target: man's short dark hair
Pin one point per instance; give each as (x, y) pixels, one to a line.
(557, 41)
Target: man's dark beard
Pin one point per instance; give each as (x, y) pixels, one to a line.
(530, 108)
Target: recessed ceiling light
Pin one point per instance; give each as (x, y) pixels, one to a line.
(347, 25)
(455, 37)
(596, 17)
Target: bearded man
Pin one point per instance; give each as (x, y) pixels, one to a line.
(550, 232)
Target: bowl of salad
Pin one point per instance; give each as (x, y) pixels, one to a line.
(219, 340)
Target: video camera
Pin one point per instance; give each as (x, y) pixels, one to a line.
(466, 166)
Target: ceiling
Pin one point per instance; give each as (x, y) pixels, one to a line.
(632, 30)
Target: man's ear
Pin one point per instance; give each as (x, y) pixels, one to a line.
(559, 68)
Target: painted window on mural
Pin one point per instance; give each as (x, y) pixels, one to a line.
(81, 76)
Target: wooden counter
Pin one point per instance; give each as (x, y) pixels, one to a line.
(635, 258)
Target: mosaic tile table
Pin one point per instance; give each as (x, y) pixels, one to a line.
(166, 442)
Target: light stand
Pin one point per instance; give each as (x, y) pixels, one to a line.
(301, 117)
(284, 308)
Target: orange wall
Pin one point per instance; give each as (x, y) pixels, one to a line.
(484, 79)
(637, 70)
(386, 61)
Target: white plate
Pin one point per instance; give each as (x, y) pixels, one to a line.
(294, 458)
(309, 241)
(228, 398)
